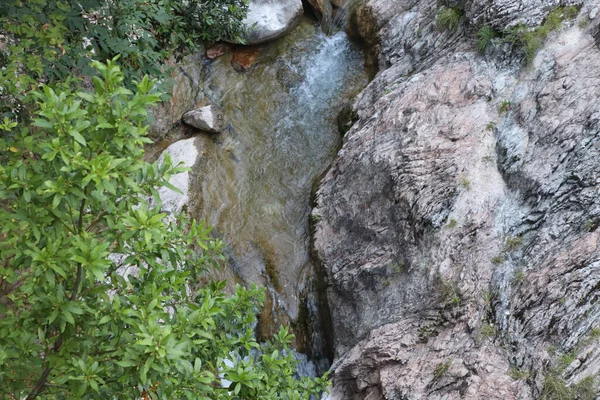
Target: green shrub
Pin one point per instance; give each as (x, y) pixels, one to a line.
(504, 107)
(98, 286)
(488, 330)
(586, 389)
(448, 18)
(499, 259)
(450, 295)
(518, 277)
(465, 183)
(512, 243)
(556, 389)
(441, 369)
(532, 39)
(518, 374)
(571, 12)
(484, 37)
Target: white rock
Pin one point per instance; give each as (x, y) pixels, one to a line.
(183, 151)
(594, 12)
(270, 19)
(207, 118)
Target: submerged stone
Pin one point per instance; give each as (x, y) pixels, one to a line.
(244, 58)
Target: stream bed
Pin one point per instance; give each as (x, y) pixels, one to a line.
(253, 182)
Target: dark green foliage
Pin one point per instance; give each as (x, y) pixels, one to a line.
(450, 295)
(488, 330)
(499, 259)
(98, 291)
(518, 374)
(586, 389)
(214, 20)
(448, 18)
(52, 33)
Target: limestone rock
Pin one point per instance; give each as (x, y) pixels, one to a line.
(208, 119)
(446, 222)
(270, 19)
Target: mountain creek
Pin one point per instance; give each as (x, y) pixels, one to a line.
(254, 181)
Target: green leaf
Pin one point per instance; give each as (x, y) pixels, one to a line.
(145, 368)
(42, 123)
(77, 136)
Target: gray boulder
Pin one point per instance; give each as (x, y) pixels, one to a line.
(208, 119)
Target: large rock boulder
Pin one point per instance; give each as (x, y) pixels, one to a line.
(270, 19)
(459, 223)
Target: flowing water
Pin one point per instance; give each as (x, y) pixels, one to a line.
(254, 181)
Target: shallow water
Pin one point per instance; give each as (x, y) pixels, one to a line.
(253, 182)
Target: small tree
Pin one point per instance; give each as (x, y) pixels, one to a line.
(96, 296)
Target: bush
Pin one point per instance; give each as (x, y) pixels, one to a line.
(484, 37)
(448, 18)
(532, 39)
(97, 284)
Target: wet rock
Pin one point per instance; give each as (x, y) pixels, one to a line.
(244, 58)
(270, 19)
(208, 119)
(448, 220)
(593, 13)
(218, 50)
(323, 11)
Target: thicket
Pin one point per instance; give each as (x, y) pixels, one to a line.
(99, 293)
(51, 41)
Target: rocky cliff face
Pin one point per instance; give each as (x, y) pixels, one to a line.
(458, 224)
